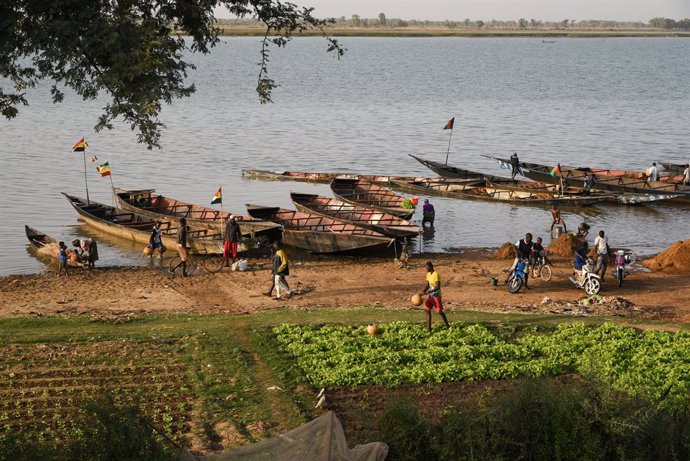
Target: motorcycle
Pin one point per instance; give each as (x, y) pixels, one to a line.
(518, 276)
(622, 258)
(587, 279)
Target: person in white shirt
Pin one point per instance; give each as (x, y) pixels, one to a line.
(601, 244)
(686, 175)
(653, 173)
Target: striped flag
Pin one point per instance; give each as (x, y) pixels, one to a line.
(449, 124)
(93, 159)
(556, 171)
(218, 198)
(80, 146)
(104, 169)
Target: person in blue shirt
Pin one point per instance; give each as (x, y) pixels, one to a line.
(580, 259)
(62, 269)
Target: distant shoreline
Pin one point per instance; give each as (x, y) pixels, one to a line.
(253, 31)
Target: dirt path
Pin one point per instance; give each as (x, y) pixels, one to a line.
(333, 282)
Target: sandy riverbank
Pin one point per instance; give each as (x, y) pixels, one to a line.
(335, 282)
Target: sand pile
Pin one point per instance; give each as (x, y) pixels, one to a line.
(675, 258)
(565, 245)
(507, 251)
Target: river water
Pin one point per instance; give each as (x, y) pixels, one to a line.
(616, 102)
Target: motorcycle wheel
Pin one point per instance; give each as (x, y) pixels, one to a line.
(621, 276)
(592, 286)
(536, 270)
(514, 284)
(546, 273)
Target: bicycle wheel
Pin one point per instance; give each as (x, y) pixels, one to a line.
(174, 261)
(214, 264)
(192, 266)
(536, 270)
(545, 273)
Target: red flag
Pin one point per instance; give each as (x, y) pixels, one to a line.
(449, 124)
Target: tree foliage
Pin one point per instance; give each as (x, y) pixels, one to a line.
(132, 50)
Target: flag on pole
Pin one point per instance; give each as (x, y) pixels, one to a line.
(80, 146)
(218, 198)
(104, 169)
(449, 124)
(93, 159)
(556, 171)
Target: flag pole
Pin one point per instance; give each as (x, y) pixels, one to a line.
(86, 182)
(112, 190)
(449, 139)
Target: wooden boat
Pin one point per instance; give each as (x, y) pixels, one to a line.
(615, 197)
(303, 176)
(320, 234)
(673, 168)
(619, 181)
(146, 202)
(500, 194)
(137, 227)
(45, 246)
(362, 192)
(370, 218)
(448, 171)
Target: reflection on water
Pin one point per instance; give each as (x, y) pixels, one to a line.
(342, 116)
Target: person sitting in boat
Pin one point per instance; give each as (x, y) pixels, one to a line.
(428, 214)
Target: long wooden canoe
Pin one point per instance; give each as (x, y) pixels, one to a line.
(320, 234)
(620, 198)
(137, 227)
(362, 192)
(370, 218)
(45, 247)
(448, 171)
(304, 176)
(607, 180)
(673, 168)
(146, 202)
(495, 194)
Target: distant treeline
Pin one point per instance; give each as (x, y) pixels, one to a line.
(522, 23)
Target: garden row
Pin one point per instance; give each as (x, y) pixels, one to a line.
(652, 365)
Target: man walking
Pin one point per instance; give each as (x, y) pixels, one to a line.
(433, 290)
(601, 244)
(182, 247)
(281, 268)
(514, 165)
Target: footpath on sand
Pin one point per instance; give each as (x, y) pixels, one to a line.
(341, 283)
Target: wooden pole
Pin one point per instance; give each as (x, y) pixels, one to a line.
(112, 189)
(449, 138)
(86, 182)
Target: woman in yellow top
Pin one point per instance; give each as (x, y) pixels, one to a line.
(433, 290)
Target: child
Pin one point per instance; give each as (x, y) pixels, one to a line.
(63, 259)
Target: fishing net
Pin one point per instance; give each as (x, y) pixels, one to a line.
(320, 439)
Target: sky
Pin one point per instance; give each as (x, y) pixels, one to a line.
(458, 10)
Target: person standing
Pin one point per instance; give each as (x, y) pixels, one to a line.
(156, 240)
(182, 247)
(589, 184)
(686, 175)
(653, 173)
(514, 165)
(231, 238)
(556, 215)
(281, 268)
(433, 292)
(82, 247)
(601, 244)
(62, 256)
(428, 214)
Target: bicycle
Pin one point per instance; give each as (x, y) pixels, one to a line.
(192, 264)
(540, 267)
(215, 263)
